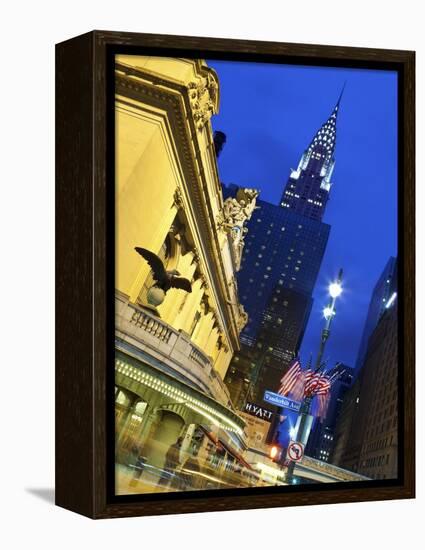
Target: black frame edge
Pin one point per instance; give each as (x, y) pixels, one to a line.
(74, 276)
(81, 226)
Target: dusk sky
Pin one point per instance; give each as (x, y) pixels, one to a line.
(269, 114)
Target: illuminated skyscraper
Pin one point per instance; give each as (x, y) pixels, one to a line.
(308, 187)
(284, 248)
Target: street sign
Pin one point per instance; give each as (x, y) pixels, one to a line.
(295, 451)
(281, 401)
(259, 412)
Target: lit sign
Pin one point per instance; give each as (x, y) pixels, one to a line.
(259, 412)
(281, 401)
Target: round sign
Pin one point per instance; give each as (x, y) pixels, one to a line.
(295, 451)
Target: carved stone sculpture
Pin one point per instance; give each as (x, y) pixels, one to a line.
(203, 99)
(235, 212)
(242, 319)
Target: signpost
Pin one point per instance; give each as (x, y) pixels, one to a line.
(295, 451)
(281, 401)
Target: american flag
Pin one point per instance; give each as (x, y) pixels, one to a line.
(311, 380)
(290, 378)
(323, 385)
(323, 403)
(301, 383)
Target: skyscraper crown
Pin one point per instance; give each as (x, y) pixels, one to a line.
(307, 189)
(325, 138)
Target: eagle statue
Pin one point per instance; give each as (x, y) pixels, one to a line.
(164, 279)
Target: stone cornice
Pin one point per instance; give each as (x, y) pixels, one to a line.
(172, 97)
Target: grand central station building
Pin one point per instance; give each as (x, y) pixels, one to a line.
(173, 348)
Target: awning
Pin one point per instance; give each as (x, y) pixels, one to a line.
(220, 444)
(235, 454)
(211, 436)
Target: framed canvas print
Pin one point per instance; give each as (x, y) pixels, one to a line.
(235, 274)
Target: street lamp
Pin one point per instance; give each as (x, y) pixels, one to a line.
(335, 289)
(328, 312)
(304, 422)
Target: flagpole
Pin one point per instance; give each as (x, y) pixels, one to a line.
(304, 416)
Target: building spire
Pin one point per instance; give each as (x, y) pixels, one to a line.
(340, 95)
(325, 138)
(307, 189)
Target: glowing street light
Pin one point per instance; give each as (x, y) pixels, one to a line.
(328, 312)
(335, 289)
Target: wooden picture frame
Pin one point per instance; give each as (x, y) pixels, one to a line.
(85, 274)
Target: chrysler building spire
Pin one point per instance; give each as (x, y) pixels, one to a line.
(307, 189)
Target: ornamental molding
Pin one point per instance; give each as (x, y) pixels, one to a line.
(232, 218)
(173, 98)
(178, 199)
(203, 98)
(242, 319)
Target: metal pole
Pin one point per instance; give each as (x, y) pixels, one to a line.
(302, 435)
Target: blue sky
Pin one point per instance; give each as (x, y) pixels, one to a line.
(270, 114)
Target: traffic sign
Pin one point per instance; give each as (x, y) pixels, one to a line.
(295, 451)
(281, 401)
